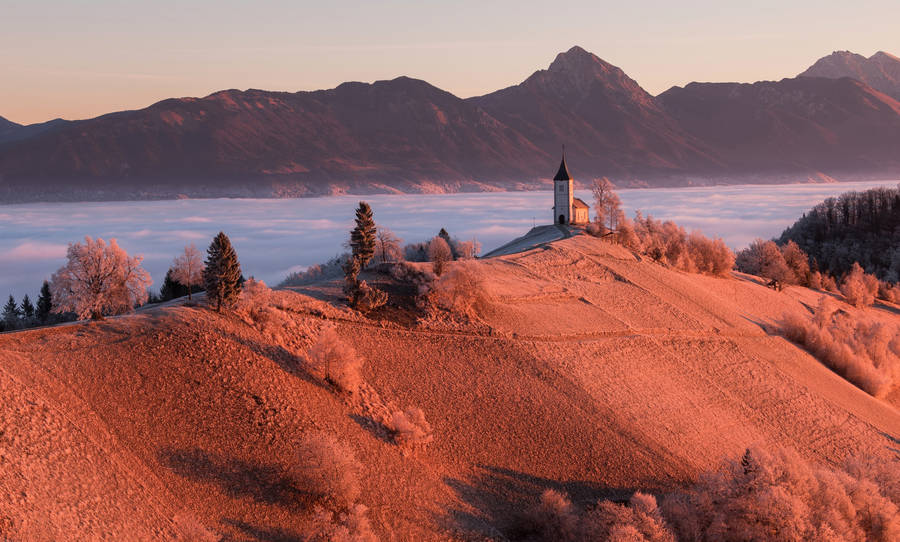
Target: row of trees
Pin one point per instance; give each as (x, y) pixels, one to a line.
(100, 279)
(664, 242)
(847, 231)
(789, 264)
(27, 313)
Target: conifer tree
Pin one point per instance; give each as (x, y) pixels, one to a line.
(171, 288)
(222, 276)
(44, 303)
(362, 237)
(11, 313)
(26, 309)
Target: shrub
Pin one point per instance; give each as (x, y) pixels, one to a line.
(710, 256)
(332, 269)
(865, 353)
(360, 295)
(797, 261)
(778, 496)
(458, 291)
(829, 284)
(889, 292)
(254, 299)
(333, 360)
(557, 519)
(365, 298)
(858, 288)
(668, 243)
(764, 259)
(328, 470)
(760, 496)
(439, 254)
(626, 235)
(421, 280)
(410, 427)
(350, 526)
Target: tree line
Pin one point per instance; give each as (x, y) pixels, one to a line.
(848, 244)
(855, 227)
(100, 279)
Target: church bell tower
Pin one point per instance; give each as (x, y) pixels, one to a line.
(563, 193)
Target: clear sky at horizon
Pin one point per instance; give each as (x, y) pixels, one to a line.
(61, 58)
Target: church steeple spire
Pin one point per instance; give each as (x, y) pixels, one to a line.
(563, 173)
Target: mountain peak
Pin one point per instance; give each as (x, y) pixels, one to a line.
(881, 71)
(883, 55)
(5, 123)
(577, 59)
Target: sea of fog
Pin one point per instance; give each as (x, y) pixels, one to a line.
(275, 236)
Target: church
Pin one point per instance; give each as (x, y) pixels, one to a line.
(567, 209)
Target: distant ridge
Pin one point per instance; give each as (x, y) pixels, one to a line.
(405, 135)
(880, 71)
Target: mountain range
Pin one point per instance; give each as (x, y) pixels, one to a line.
(838, 119)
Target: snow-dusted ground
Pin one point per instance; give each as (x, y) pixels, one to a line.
(587, 370)
(274, 236)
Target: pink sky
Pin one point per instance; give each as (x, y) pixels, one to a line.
(78, 59)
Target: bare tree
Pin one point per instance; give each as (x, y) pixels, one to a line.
(467, 250)
(99, 279)
(387, 245)
(439, 254)
(188, 268)
(607, 205)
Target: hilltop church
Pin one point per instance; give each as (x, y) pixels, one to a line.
(567, 209)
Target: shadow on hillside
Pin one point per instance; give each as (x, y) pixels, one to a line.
(287, 360)
(374, 427)
(267, 484)
(501, 498)
(893, 440)
(265, 534)
(886, 307)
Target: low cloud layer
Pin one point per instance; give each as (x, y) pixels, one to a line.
(272, 236)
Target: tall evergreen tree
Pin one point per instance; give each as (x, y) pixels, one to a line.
(11, 313)
(26, 309)
(44, 303)
(222, 276)
(362, 237)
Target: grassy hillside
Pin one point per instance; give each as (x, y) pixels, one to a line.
(581, 368)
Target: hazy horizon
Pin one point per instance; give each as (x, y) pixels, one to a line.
(76, 61)
(275, 236)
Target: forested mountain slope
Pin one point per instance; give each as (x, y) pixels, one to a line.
(861, 227)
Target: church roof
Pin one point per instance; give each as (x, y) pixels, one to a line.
(563, 173)
(577, 202)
